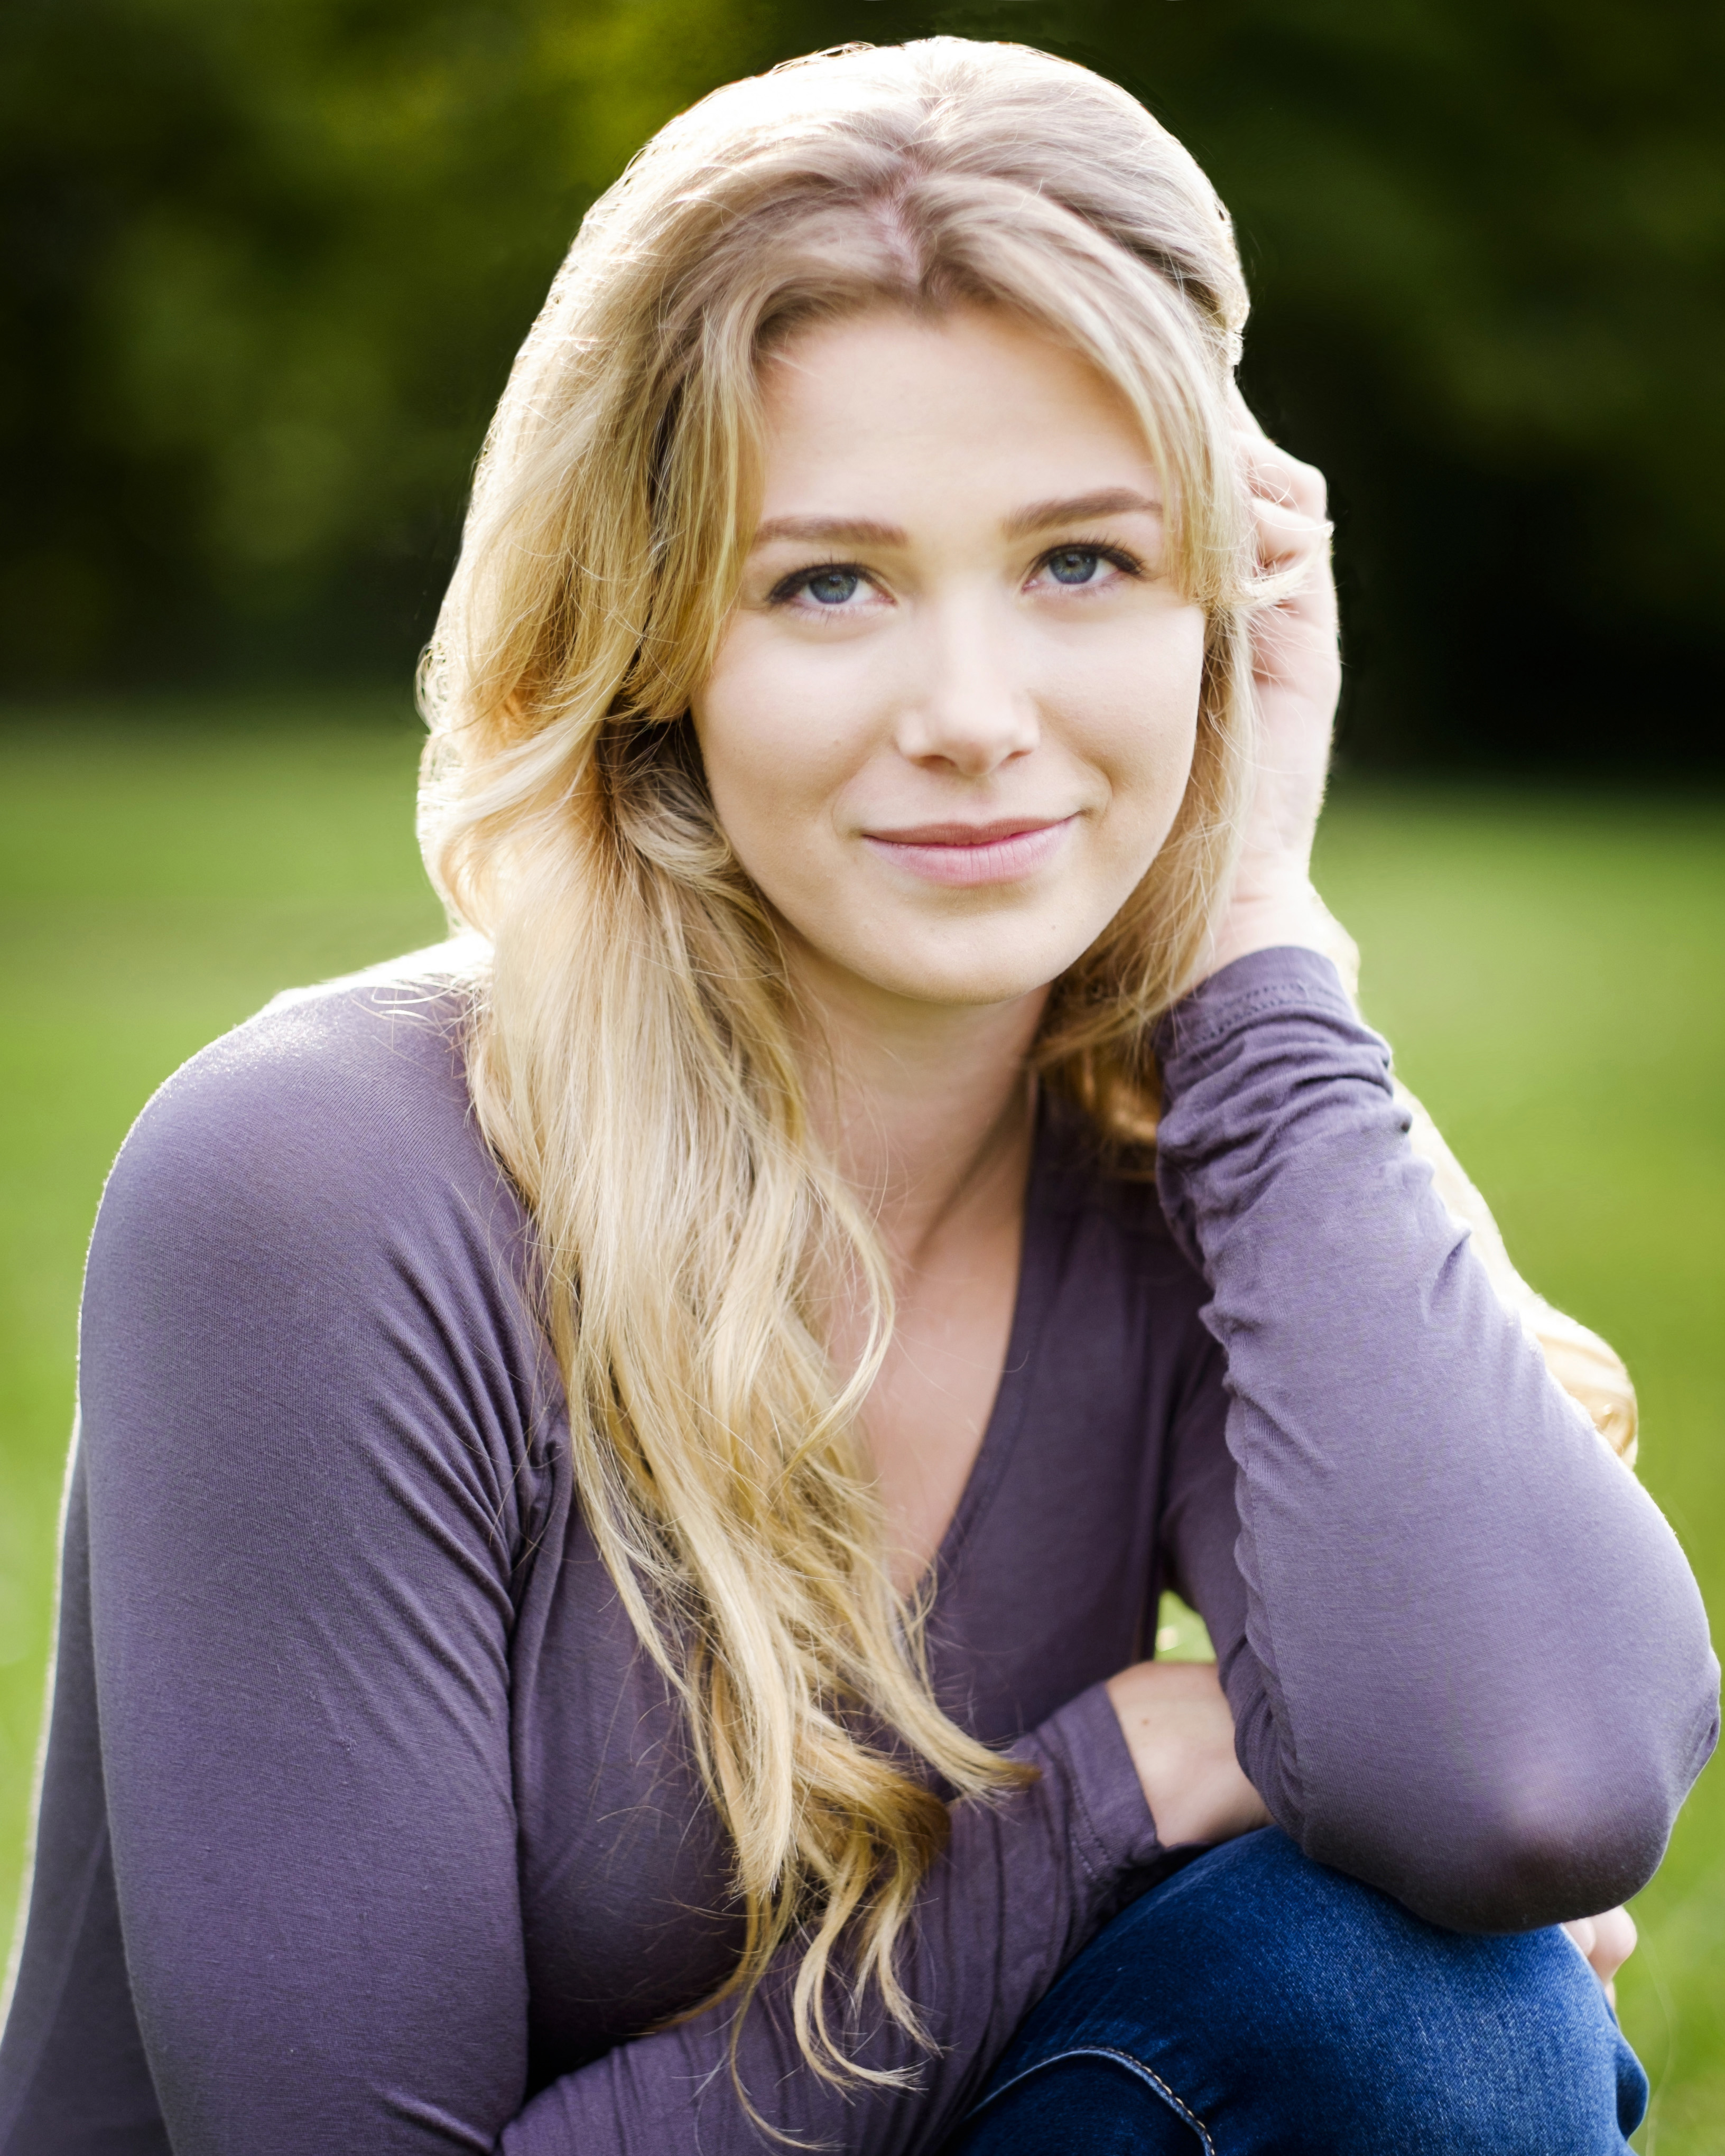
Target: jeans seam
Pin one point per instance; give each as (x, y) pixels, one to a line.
(1122, 2059)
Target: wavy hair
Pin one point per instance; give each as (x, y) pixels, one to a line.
(630, 1050)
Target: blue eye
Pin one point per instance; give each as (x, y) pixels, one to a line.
(831, 587)
(1073, 564)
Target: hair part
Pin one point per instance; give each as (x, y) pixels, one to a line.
(630, 1049)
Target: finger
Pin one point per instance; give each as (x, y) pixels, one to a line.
(1286, 541)
(1615, 1937)
(1272, 475)
(1606, 1942)
(1285, 529)
(1581, 1931)
(1277, 475)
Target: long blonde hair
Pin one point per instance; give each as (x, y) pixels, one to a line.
(630, 1052)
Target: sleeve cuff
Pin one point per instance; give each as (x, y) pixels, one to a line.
(1291, 977)
(1086, 1739)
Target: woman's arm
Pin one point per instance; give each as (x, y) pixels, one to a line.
(1024, 1882)
(305, 1451)
(1588, 1368)
(307, 1390)
(1466, 1658)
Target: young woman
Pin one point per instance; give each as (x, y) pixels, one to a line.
(626, 1468)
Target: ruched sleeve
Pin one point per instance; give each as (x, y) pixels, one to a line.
(1024, 1882)
(1466, 1657)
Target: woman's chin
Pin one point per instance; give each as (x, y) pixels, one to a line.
(998, 968)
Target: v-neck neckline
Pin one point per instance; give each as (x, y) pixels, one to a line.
(1006, 1414)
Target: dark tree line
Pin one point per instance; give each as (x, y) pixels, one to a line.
(266, 261)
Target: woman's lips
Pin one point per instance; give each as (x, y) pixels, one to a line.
(1001, 852)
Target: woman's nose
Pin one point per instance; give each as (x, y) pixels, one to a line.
(969, 706)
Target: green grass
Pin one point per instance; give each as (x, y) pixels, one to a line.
(156, 885)
(1551, 971)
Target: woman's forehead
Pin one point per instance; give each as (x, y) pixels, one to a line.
(974, 402)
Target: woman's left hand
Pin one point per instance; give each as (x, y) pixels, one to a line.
(1297, 668)
(1607, 1943)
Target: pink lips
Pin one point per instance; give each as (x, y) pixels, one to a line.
(1001, 852)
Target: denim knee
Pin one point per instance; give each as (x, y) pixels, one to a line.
(1269, 2004)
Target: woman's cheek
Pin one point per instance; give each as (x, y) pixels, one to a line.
(1145, 754)
(776, 766)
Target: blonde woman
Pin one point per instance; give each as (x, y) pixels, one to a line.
(626, 1467)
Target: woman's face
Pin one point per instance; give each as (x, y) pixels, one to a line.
(951, 717)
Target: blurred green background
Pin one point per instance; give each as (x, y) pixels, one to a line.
(265, 263)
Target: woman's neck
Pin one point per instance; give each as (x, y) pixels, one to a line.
(929, 1112)
(927, 1109)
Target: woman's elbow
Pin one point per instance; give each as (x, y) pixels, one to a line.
(1534, 1842)
(1535, 1864)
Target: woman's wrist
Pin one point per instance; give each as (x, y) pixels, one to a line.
(1272, 911)
(1180, 1732)
(1285, 911)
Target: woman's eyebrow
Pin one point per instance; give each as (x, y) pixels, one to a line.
(830, 532)
(1075, 509)
(1037, 516)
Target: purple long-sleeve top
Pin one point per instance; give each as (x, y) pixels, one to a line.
(368, 1826)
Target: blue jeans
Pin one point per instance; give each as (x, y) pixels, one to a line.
(1257, 2004)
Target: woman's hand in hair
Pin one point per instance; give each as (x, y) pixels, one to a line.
(1180, 1734)
(1297, 668)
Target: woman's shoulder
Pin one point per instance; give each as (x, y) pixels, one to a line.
(344, 1105)
(309, 1273)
